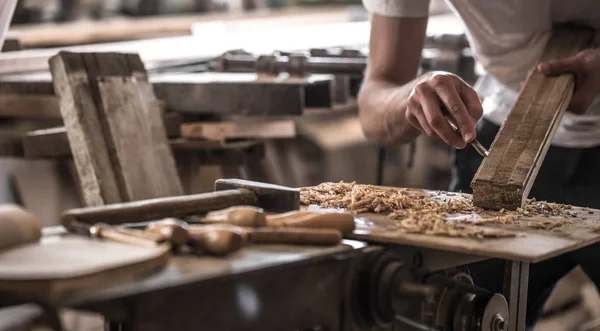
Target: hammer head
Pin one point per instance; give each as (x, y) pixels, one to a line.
(270, 197)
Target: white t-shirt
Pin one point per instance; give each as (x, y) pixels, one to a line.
(508, 37)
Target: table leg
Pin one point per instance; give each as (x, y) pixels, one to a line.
(516, 280)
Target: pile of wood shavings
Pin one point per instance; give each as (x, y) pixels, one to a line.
(417, 212)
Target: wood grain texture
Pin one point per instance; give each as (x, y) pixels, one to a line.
(114, 127)
(80, 114)
(236, 130)
(506, 175)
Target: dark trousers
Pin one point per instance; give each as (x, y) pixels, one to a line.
(567, 175)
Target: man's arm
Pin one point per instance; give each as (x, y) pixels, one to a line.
(394, 106)
(395, 48)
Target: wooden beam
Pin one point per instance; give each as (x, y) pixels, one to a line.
(239, 130)
(53, 144)
(30, 106)
(506, 175)
(208, 93)
(247, 94)
(114, 127)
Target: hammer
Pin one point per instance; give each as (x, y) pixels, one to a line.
(228, 192)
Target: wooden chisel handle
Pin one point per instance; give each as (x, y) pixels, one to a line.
(216, 240)
(126, 236)
(341, 221)
(247, 216)
(173, 231)
(152, 209)
(293, 236)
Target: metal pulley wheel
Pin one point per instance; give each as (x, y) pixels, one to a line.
(478, 313)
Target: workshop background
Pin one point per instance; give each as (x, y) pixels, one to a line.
(326, 146)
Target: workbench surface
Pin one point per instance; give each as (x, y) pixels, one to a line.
(190, 270)
(529, 245)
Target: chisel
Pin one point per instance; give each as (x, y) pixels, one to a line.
(476, 144)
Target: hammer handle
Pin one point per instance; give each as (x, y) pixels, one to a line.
(152, 209)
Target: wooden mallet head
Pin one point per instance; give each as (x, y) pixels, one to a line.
(270, 197)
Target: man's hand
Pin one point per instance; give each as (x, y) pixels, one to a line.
(462, 102)
(586, 67)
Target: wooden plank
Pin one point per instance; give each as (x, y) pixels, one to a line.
(230, 94)
(145, 165)
(237, 130)
(505, 177)
(29, 106)
(54, 143)
(223, 93)
(80, 115)
(114, 127)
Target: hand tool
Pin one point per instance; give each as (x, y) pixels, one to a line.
(217, 240)
(342, 221)
(242, 192)
(126, 236)
(293, 236)
(268, 235)
(476, 144)
(249, 216)
(173, 230)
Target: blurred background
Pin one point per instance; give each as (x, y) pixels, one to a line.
(329, 144)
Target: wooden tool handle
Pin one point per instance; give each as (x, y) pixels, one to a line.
(126, 236)
(173, 232)
(217, 240)
(247, 216)
(294, 236)
(341, 221)
(152, 209)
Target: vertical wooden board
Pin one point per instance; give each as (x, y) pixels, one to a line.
(143, 161)
(506, 175)
(80, 115)
(162, 151)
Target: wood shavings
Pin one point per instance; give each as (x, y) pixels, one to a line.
(421, 213)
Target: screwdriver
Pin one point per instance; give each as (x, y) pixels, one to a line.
(476, 144)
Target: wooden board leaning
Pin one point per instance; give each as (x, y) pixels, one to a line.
(113, 123)
(507, 174)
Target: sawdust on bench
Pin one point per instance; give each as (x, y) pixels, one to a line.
(422, 213)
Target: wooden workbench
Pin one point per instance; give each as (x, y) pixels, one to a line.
(529, 245)
(260, 287)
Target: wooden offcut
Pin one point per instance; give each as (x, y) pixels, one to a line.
(114, 127)
(507, 174)
(237, 130)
